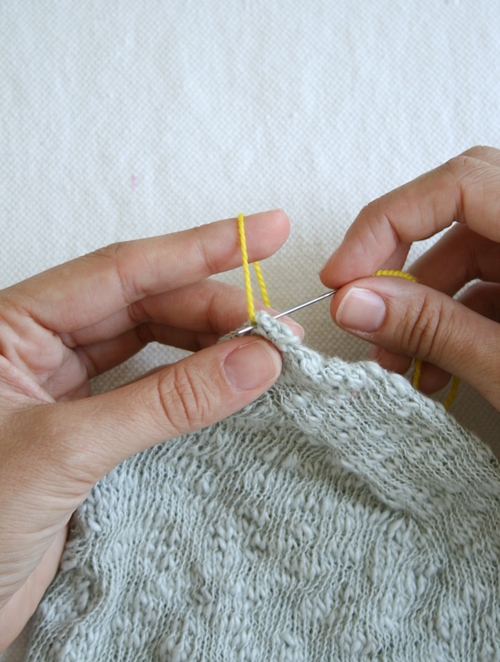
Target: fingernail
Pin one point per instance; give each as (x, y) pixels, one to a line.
(361, 310)
(252, 365)
(373, 353)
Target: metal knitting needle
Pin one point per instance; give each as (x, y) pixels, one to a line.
(247, 329)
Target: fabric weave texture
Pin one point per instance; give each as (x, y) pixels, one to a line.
(342, 516)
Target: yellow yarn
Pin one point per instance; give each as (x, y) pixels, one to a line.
(262, 285)
(246, 272)
(396, 273)
(455, 383)
(417, 365)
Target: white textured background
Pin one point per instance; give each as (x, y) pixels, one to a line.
(127, 119)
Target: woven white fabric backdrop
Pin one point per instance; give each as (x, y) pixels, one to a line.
(124, 119)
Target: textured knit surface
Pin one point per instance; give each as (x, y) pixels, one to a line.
(122, 119)
(342, 516)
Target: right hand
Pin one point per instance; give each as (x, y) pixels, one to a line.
(405, 319)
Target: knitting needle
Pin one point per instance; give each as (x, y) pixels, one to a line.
(247, 329)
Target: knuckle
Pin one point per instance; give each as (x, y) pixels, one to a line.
(475, 180)
(467, 178)
(369, 208)
(376, 224)
(371, 213)
(109, 252)
(116, 254)
(208, 257)
(377, 214)
(457, 165)
(424, 328)
(480, 152)
(465, 165)
(186, 400)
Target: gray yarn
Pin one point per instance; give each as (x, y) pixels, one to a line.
(342, 516)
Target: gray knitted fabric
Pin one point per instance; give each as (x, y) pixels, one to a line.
(342, 516)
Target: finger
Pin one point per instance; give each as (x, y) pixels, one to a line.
(389, 360)
(432, 378)
(88, 437)
(482, 298)
(460, 256)
(464, 189)
(207, 311)
(398, 258)
(104, 356)
(484, 153)
(206, 307)
(100, 357)
(90, 289)
(411, 319)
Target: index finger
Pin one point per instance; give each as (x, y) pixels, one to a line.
(91, 288)
(465, 189)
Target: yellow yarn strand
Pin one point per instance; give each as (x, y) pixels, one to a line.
(453, 392)
(417, 365)
(246, 272)
(417, 371)
(262, 284)
(396, 273)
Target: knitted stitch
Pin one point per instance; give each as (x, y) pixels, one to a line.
(341, 516)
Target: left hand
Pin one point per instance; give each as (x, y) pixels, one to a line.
(63, 327)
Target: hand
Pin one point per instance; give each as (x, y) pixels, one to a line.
(405, 319)
(61, 328)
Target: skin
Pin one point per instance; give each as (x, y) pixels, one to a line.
(452, 336)
(63, 327)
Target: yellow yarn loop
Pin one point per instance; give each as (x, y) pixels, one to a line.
(246, 272)
(417, 365)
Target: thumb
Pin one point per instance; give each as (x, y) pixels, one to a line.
(415, 320)
(97, 433)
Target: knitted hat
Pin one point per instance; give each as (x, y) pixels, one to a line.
(342, 516)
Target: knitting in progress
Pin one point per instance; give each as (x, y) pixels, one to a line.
(341, 516)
